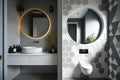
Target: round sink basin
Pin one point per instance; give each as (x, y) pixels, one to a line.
(30, 50)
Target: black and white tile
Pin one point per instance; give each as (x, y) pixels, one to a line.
(114, 40)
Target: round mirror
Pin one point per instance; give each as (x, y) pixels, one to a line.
(35, 23)
(84, 26)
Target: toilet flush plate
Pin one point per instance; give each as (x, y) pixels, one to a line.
(83, 51)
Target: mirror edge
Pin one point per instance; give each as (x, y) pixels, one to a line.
(21, 26)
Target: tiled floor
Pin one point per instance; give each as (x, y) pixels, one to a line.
(88, 79)
(44, 76)
(48, 76)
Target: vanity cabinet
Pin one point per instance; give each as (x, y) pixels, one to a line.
(32, 59)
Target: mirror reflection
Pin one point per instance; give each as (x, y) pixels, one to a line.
(35, 23)
(84, 26)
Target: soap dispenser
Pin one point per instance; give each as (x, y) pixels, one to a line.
(10, 50)
(19, 48)
(14, 49)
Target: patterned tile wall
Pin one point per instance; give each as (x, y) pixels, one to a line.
(114, 39)
(70, 48)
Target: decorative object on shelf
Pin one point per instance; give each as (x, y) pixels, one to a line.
(51, 8)
(19, 48)
(19, 7)
(14, 49)
(10, 50)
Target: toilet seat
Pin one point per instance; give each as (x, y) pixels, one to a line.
(85, 65)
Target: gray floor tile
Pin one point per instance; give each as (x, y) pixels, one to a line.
(43, 76)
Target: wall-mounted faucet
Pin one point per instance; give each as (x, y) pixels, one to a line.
(35, 42)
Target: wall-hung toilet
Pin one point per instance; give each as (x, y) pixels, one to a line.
(85, 67)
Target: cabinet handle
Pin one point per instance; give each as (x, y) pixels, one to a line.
(0, 57)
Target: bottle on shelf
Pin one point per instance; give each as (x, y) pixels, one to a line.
(14, 49)
(19, 48)
(10, 50)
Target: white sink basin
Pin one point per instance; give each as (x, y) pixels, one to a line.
(31, 50)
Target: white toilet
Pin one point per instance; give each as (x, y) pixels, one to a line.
(85, 67)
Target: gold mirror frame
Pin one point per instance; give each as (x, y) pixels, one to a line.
(21, 21)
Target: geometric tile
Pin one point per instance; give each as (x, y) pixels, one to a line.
(71, 65)
(71, 2)
(118, 68)
(106, 60)
(118, 45)
(101, 70)
(114, 41)
(118, 76)
(71, 54)
(84, 2)
(114, 25)
(110, 34)
(115, 3)
(112, 74)
(78, 2)
(68, 7)
(65, 2)
(110, 27)
(114, 19)
(118, 37)
(68, 60)
(71, 43)
(98, 65)
(65, 31)
(65, 13)
(112, 13)
(65, 42)
(99, 54)
(63, 7)
(110, 7)
(65, 65)
(119, 30)
(68, 48)
(96, 60)
(65, 54)
(112, 2)
(114, 66)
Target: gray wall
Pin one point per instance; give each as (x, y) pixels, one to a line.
(114, 39)
(44, 5)
(16, 37)
(13, 34)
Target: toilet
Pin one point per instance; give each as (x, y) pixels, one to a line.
(85, 67)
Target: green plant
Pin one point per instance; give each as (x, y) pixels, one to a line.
(90, 38)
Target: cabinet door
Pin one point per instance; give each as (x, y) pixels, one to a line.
(1, 43)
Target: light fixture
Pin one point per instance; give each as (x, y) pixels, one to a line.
(21, 21)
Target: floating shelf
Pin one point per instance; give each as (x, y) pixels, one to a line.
(32, 59)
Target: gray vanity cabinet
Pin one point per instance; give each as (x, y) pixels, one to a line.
(1, 43)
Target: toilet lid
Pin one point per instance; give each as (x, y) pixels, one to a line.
(86, 65)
